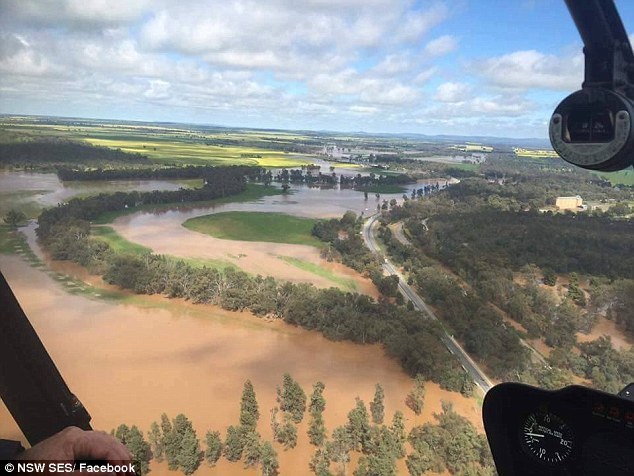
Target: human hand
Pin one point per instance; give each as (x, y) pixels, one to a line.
(74, 444)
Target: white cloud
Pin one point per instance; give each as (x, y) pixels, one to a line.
(73, 14)
(441, 46)
(452, 92)
(532, 69)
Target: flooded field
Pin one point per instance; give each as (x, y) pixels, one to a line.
(38, 190)
(132, 360)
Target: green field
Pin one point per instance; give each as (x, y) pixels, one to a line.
(257, 226)
(117, 242)
(346, 284)
(624, 177)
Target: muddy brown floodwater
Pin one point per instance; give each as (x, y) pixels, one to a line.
(132, 360)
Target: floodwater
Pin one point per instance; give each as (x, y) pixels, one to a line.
(132, 360)
(47, 190)
(163, 232)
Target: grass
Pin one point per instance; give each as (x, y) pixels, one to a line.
(252, 193)
(347, 284)
(257, 226)
(623, 177)
(8, 241)
(117, 242)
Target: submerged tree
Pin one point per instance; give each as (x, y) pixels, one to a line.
(358, 426)
(338, 449)
(292, 398)
(268, 459)
(155, 439)
(377, 407)
(133, 439)
(234, 444)
(317, 429)
(415, 398)
(249, 413)
(188, 457)
(214, 447)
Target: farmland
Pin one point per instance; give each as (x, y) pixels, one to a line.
(168, 145)
(256, 226)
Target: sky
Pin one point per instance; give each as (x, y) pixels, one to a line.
(465, 67)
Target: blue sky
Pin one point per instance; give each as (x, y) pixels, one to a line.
(470, 67)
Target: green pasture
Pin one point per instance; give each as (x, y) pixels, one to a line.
(346, 284)
(117, 242)
(257, 226)
(623, 177)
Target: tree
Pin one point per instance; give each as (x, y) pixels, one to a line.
(339, 448)
(358, 426)
(317, 429)
(234, 444)
(550, 278)
(415, 398)
(252, 451)
(189, 456)
(133, 439)
(155, 440)
(214, 447)
(399, 437)
(14, 218)
(377, 408)
(249, 413)
(287, 434)
(268, 459)
(292, 398)
(317, 400)
(320, 463)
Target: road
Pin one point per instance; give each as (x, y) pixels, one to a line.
(479, 377)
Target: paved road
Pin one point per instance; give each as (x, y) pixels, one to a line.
(467, 362)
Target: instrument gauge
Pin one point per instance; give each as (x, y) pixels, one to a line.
(547, 437)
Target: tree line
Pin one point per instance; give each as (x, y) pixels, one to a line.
(51, 151)
(451, 443)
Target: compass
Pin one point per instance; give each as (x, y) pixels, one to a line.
(547, 437)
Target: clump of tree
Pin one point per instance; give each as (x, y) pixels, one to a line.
(377, 405)
(14, 218)
(317, 428)
(452, 444)
(175, 441)
(416, 397)
(54, 151)
(292, 398)
(133, 439)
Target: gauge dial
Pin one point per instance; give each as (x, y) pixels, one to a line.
(547, 437)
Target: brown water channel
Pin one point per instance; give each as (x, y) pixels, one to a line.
(132, 360)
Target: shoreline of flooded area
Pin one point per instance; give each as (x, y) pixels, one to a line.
(130, 361)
